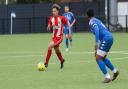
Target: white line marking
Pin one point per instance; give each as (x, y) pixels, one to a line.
(89, 61)
(39, 54)
(19, 56)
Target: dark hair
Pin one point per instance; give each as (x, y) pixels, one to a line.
(90, 12)
(56, 6)
(67, 6)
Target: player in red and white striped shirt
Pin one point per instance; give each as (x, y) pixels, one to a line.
(56, 22)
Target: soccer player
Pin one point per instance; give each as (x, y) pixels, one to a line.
(57, 23)
(68, 32)
(103, 43)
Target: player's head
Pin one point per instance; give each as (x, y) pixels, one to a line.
(66, 8)
(90, 13)
(55, 9)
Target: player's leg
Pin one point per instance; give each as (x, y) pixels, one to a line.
(112, 68)
(49, 52)
(102, 51)
(106, 45)
(57, 50)
(102, 67)
(59, 54)
(71, 35)
(66, 32)
(67, 43)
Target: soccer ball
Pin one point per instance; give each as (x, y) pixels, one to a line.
(41, 66)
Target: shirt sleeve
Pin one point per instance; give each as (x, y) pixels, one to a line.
(73, 17)
(64, 20)
(50, 22)
(96, 31)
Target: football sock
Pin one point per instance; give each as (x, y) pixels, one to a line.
(60, 56)
(71, 40)
(102, 66)
(114, 70)
(107, 76)
(48, 56)
(66, 41)
(110, 65)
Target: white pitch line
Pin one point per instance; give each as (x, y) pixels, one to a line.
(89, 61)
(15, 56)
(39, 52)
(120, 52)
(119, 58)
(69, 53)
(27, 52)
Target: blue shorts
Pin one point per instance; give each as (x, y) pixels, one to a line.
(67, 31)
(105, 45)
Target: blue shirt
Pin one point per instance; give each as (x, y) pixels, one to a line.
(99, 30)
(70, 17)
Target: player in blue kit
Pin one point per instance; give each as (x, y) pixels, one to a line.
(104, 41)
(68, 32)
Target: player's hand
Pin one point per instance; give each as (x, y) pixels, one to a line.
(96, 47)
(48, 28)
(95, 53)
(95, 50)
(69, 27)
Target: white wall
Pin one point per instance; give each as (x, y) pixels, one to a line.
(122, 12)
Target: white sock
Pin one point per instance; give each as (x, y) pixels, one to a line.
(115, 70)
(107, 76)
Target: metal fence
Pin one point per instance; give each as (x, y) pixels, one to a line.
(38, 24)
(32, 18)
(35, 25)
(120, 23)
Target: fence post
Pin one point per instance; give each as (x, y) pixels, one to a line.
(3, 25)
(30, 25)
(46, 20)
(75, 27)
(108, 13)
(126, 23)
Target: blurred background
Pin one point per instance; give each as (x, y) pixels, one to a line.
(31, 16)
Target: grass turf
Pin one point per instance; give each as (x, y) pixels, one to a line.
(20, 54)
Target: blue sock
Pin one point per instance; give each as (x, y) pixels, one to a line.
(108, 64)
(102, 66)
(71, 40)
(66, 41)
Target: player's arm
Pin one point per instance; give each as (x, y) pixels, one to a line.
(74, 20)
(65, 21)
(69, 25)
(96, 31)
(49, 25)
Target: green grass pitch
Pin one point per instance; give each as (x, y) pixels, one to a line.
(20, 54)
